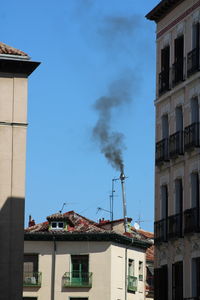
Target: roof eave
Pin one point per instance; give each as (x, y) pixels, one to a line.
(17, 66)
(162, 9)
(112, 237)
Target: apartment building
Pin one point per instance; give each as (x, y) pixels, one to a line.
(15, 67)
(177, 209)
(71, 257)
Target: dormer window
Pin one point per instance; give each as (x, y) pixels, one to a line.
(57, 225)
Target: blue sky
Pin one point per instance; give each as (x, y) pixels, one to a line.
(84, 47)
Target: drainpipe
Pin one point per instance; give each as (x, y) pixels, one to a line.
(53, 269)
(125, 274)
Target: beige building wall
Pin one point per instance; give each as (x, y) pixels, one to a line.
(106, 262)
(13, 123)
(182, 249)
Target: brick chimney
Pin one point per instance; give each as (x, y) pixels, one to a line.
(31, 222)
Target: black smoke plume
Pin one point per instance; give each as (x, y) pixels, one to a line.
(111, 143)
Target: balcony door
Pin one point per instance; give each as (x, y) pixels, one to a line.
(161, 283)
(177, 281)
(178, 59)
(164, 209)
(196, 277)
(165, 63)
(80, 269)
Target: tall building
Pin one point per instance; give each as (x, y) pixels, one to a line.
(177, 209)
(15, 67)
(71, 257)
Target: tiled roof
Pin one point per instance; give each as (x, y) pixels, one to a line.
(162, 9)
(77, 223)
(150, 253)
(5, 49)
(145, 234)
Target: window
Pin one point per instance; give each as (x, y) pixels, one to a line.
(194, 110)
(140, 271)
(31, 275)
(178, 196)
(131, 267)
(161, 283)
(165, 127)
(177, 281)
(178, 59)
(72, 298)
(80, 269)
(164, 75)
(164, 202)
(57, 225)
(195, 36)
(196, 277)
(179, 118)
(195, 189)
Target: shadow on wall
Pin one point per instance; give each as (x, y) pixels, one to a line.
(11, 248)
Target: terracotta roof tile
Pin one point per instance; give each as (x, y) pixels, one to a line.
(5, 49)
(77, 223)
(150, 253)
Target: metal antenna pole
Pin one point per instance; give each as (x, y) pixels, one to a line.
(122, 177)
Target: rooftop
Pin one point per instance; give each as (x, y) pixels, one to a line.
(8, 50)
(162, 9)
(81, 228)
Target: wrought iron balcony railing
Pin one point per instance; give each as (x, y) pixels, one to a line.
(191, 220)
(175, 226)
(132, 284)
(164, 81)
(178, 72)
(32, 279)
(160, 230)
(77, 279)
(162, 151)
(193, 62)
(176, 146)
(191, 136)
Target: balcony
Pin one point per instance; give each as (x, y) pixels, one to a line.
(132, 284)
(164, 81)
(175, 226)
(77, 279)
(191, 136)
(160, 229)
(191, 220)
(32, 279)
(162, 151)
(193, 62)
(176, 147)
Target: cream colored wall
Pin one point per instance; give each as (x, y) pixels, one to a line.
(13, 107)
(118, 260)
(106, 261)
